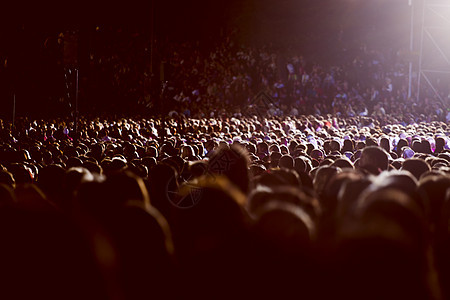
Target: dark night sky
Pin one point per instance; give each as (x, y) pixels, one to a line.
(201, 17)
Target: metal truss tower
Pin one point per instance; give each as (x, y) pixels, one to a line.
(433, 78)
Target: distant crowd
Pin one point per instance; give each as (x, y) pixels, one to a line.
(222, 77)
(201, 80)
(365, 82)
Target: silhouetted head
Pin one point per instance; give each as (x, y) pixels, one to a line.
(233, 163)
(416, 166)
(374, 160)
(286, 161)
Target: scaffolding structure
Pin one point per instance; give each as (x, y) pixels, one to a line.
(434, 57)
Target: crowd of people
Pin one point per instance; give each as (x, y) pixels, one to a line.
(265, 175)
(207, 78)
(212, 208)
(361, 82)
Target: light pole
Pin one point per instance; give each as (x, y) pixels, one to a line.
(152, 34)
(411, 46)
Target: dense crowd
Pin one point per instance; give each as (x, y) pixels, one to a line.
(204, 80)
(362, 82)
(309, 206)
(207, 78)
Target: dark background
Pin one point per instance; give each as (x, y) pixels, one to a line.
(28, 34)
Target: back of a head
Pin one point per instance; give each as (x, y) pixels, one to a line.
(335, 146)
(275, 158)
(285, 228)
(385, 144)
(426, 147)
(211, 231)
(217, 212)
(300, 165)
(416, 166)
(286, 161)
(278, 177)
(124, 186)
(322, 177)
(440, 144)
(384, 249)
(435, 188)
(348, 146)
(7, 178)
(211, 237)
(163, 186)
(284, 235)
(143, 240)
(22, 173)
(374, 160)
(349, 194)
(233, 163)
(391, 204)
(343, 163)
(371, 142)
(400, 144)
